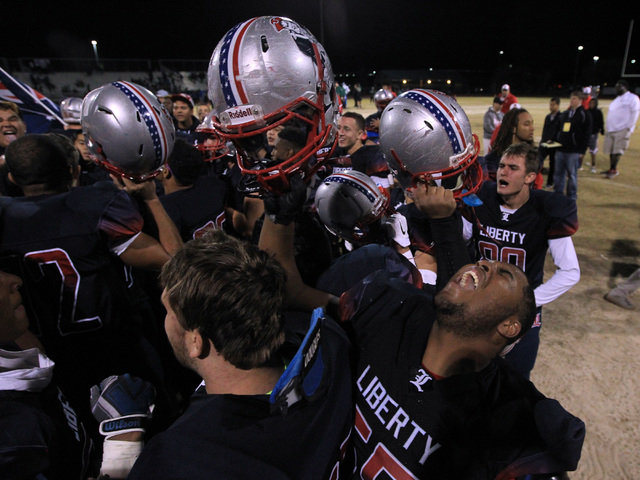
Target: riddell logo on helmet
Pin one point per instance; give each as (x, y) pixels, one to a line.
(241, 114)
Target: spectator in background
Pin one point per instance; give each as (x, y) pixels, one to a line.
(621, 121)
(357, 95)
(203, 109)
(586, 97)
(492, 118)
(347, 90)
(597, 128)
(549, 134)
(620, 294)
(12, 127)
(183, 118)
(165, 99)
(573, 136)
(508, 98)
(517, 126)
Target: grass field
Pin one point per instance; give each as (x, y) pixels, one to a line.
(589, 356)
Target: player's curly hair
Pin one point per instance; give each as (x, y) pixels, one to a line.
(232, 293)
(509, 124)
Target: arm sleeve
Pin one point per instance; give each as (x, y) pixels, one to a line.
(121, 220)
(635, 112)
(451, 251)
(566, 275)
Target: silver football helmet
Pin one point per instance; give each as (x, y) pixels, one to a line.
(70, 109)
(382, 98)
(128, 131)
(265, 72)
(426, 136)
(348, 203)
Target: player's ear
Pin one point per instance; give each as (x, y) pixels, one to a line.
(197, 345)
(363, 136)
(530, 178)
(510, 327)
(11, 179)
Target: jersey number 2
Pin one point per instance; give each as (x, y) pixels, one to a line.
(69, 287)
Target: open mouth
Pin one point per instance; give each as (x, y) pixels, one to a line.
(503, 183)
(469, 280)
(9, 132)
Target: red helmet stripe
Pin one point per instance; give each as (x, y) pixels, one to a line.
(236, 54)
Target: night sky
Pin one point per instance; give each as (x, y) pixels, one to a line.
(359, 35)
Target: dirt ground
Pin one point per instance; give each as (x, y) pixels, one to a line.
(589, 357)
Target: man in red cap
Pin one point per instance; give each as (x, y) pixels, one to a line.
(508, 98)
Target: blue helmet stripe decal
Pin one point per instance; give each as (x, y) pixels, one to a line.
(148, 115)
(443, 115)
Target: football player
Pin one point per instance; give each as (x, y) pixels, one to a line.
(74, 242)
(519, 224)
(432, 394)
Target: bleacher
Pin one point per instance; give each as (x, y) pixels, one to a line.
(59, 78)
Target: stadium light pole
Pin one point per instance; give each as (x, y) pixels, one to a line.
(95, 51)
(575, 73)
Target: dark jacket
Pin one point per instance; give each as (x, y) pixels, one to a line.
(574, 131)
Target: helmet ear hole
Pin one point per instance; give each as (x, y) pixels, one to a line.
(428, 125)
(264, 43)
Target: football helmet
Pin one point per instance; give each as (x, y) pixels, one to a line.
(270, 71)
(128, 131)
(209, 141)
(348, 203)
(382, 98)
(426, 136)
(70, 108)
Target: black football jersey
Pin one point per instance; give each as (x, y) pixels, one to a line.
(521, 238)
(197, 209)
(409, 425)
(76, 299)
(42, 435)
(240, 436)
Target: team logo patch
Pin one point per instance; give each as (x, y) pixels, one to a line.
(421, 379)
(280, 24)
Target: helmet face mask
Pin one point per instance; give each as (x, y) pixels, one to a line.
(426, 137)
(267, 72)
(209, 141)
(350, 205)
(128, 131)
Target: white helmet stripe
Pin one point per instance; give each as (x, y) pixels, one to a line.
(234, 93)
(149, 115)
(443, 114)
